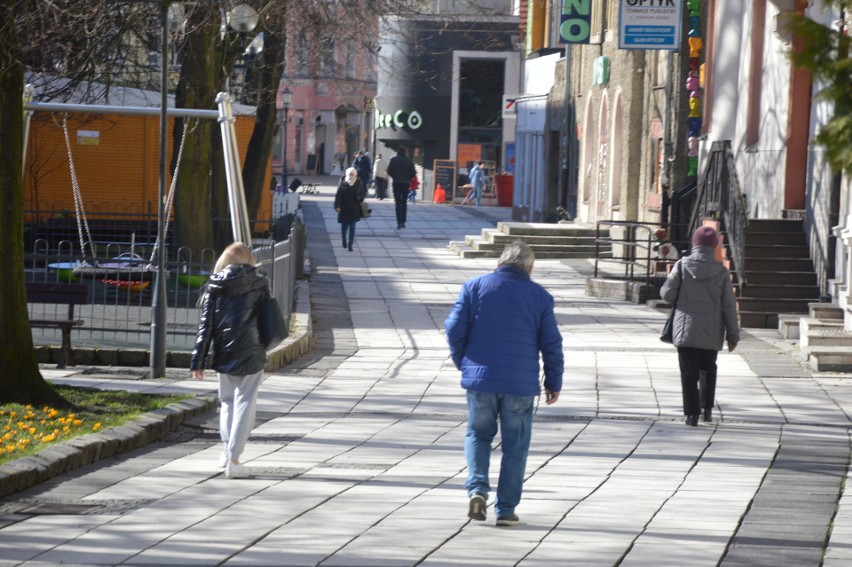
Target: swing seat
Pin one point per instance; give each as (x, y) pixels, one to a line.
(129, 267)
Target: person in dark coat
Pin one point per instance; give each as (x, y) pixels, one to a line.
(499, 325)
(700, 288)
(347, 203)
(401, 170)
(364, 168)
(229, 312)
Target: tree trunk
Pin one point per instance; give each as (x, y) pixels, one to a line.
(196, 89)
(260, 144)
(20, 379)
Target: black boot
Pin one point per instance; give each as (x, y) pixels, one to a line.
(344, 244)
(692, 420)
(708, 415)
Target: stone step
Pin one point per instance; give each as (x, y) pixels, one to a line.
(814, 324)
(762, 264)
(493, 235)
(773, 305)
(774, 225)
(776, 251)
(776, 277)
(809, 292)
(758, 319)
(545, 229)
(830, 358)
(777, 238)
(825, 311)
(540, 250)
(825, 337)
(789, 325)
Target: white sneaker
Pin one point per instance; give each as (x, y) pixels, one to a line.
(223, 460)
(236, 470)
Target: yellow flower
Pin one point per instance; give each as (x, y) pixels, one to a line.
(78, 422)
(32, 430)
(96, 426)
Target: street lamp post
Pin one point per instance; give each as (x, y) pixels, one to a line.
(158, 301)
(286, 95)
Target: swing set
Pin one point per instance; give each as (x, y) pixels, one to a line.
(131, 271)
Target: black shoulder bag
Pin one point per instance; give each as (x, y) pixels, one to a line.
(667, 335)
(270, 322)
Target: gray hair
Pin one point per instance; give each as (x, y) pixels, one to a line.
(519, 254)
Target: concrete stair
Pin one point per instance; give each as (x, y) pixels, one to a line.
(546, 240)
(779, 274)
(823, 340)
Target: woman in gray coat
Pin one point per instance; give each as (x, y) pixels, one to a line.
(705, 316)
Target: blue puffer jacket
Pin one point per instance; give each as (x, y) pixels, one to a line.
(499, 324)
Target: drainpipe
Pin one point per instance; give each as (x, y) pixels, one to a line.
(665, 175)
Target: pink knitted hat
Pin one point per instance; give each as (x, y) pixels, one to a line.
(705, 236)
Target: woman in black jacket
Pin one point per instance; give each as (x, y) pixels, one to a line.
(229, 314)
(347, 203)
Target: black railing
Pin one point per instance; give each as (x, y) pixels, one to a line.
(720, 198)
(635, 247)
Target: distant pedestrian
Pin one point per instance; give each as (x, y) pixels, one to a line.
(401, 170)
(347, 203)
(412, 190)
(228, 320)
(477, 182)
(380, 177)
(705, 316)
(363, 166)
(498, 326)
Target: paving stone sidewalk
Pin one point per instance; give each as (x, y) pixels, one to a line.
(357, 457)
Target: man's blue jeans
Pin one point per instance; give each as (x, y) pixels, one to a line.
(514, 413)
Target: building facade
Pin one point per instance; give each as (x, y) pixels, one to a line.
(332, 85)
(442, 78)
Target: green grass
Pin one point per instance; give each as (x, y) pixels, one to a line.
(26, 430)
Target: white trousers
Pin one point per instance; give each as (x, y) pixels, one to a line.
(238, 396)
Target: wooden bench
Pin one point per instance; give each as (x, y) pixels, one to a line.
(70, 294)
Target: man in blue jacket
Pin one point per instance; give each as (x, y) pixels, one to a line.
(498, 326)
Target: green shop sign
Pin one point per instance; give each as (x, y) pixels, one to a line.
(575, 22)
(398, 120)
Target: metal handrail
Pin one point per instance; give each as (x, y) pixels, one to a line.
(632, 243)
(721, 198)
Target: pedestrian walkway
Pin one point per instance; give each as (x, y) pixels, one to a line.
(357, 458)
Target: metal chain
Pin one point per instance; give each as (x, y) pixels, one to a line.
(171, 197)
(80, 210)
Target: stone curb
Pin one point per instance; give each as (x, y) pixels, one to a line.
(301, 341)
(66, 456)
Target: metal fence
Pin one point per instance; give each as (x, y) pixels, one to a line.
(119, 311)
